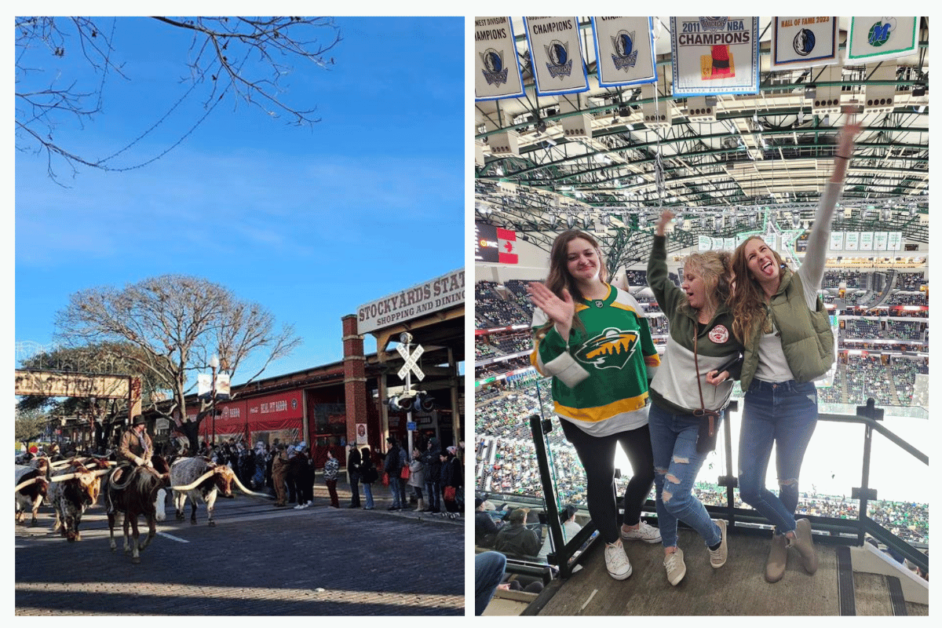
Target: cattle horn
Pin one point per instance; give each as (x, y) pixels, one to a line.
(195, 483)
(29, 482)
(247, 491)
(101, 472)
(63, 477)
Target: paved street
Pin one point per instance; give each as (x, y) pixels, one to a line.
(258, 560)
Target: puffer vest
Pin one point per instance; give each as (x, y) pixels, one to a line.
(807, 339)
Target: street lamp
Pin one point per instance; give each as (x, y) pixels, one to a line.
(214, 364)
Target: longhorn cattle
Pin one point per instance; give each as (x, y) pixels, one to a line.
(74, 489)
(31, 487)
(136, 492)
(198, 478)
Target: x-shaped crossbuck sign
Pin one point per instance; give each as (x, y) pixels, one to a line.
(411, 361)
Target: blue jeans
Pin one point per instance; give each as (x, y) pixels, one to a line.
(676, 465)
(434, 495)
(368, 494)
(784, 413)
(488, 572)
(394, 491)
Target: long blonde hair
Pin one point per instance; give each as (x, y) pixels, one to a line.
(714, 268)
(749, 300)
(559, 277)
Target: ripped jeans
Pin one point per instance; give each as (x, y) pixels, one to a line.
(676, 465)
(783, 413)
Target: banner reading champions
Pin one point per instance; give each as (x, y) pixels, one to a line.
(715, 55)
(496, 70)
(880, 38)
(558, 67)
(624, 48)
(803, 42)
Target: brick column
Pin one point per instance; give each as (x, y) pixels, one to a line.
(354, 376)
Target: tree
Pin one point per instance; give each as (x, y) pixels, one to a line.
(175, 323)
(246, 58)
(29, 425)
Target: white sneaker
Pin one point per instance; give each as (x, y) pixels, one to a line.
(298, 507)
(616, 562)
(646, 533)
(718, 556)
(675, 566)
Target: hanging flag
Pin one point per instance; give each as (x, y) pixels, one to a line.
(624, 50)
(803, 42)
(866, 241)
(853, 241)
(715, 55)
(874, 39)
(496, 67)
(204, 385)
(704, 243)
(507, 246)
(879, 241)
(558, 66)
(837, 241)
(895, 240)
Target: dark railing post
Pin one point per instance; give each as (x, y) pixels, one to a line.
(730, 480)
(549, 495)
(865, 493)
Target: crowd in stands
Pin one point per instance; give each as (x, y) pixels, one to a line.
(833, 279)
(867, 377)
(482, 349)
(907, 298)
(910, 281)
(501, 367)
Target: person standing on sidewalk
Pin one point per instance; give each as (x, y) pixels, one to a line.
(368, 475)
(700, 343)
(417, 478)
(433, 472)
(279, 473)
(353, 470)
(392, 468)
(331, 469)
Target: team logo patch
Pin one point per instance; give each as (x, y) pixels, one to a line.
(609, 350)
(803, 42)
(560, 64)
(599, 304)
(880, 32)
(625, 56)
(494, 71)
(719, 334)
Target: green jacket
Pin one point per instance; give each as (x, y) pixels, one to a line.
(807, 339)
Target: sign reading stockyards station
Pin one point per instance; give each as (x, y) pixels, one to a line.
(431, 296)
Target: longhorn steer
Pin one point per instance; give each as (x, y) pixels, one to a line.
(136, 492)
(198, 478)
(30, 488)
(74, 490)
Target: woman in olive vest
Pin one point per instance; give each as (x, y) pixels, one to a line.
(789, 344)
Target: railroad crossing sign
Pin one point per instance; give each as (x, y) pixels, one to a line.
(411, 361)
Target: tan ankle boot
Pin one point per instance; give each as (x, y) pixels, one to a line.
(804, 543)
(778, 558)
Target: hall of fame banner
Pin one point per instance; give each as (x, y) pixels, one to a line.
(715, 55)
(624, 50)
(880, 38)
(803, 42)
(558, 65)
(496, 67)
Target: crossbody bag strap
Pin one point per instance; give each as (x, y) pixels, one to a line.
(696, 366)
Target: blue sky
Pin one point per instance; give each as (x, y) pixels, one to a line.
(309, 222)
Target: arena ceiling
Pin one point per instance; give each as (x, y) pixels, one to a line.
(751, 159)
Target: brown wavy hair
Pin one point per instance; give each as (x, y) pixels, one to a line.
(749, 301)
(714, 268)
(559, 277)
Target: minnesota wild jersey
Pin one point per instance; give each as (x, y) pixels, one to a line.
(600, 377)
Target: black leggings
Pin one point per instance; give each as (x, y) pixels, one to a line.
(597, 454)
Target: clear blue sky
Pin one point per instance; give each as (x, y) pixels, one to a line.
(310, 223)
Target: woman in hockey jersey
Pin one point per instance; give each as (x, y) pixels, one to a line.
(789, 344)
(593, 340)
(691, 385)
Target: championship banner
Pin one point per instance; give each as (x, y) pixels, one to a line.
(837, 241)
(718, 244)
(729, 244)
(558, 66)
(704, 243)
(506, 246)
(853, 241)
(771, 240)
(879, 241)
(624, 50)
(715, 55)
(895, 242)
(496, 67)
(880, 38)
(866, 241)
(803, 42)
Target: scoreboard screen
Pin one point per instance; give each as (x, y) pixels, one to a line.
(485, 243)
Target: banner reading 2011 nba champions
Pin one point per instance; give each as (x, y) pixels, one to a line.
(496, 70)
(624, 48)
(715, 55)
(803, 42)
(558, 67)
